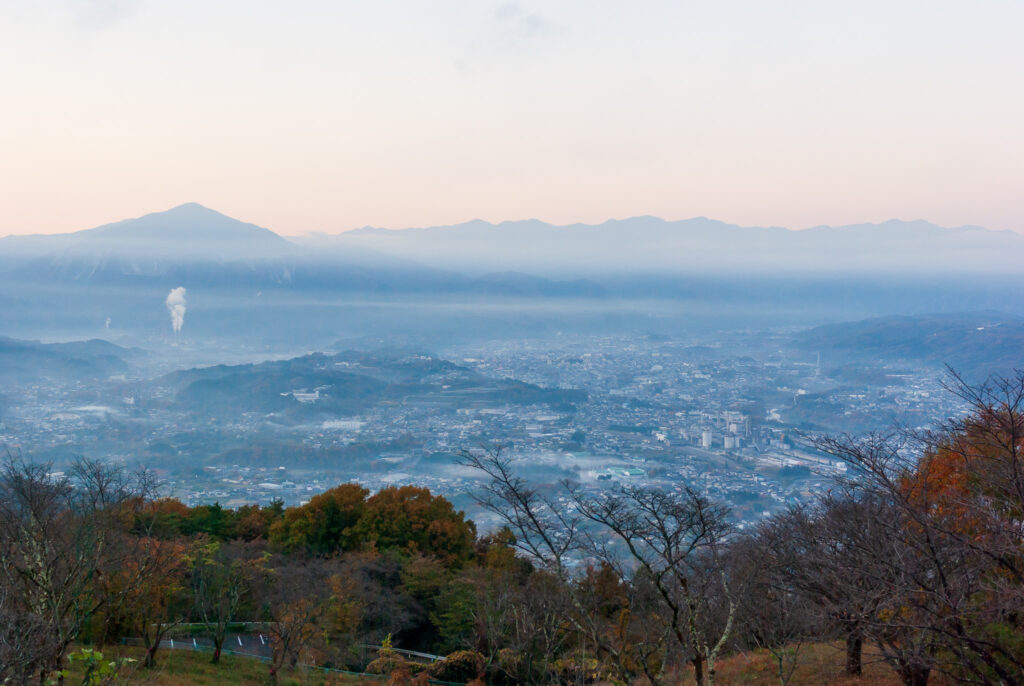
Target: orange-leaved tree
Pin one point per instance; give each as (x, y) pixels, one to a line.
(412, 519)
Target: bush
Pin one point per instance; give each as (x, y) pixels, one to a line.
(387, 663)
(461, 666)
(578, 669)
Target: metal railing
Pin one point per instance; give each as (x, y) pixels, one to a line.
(204, 645)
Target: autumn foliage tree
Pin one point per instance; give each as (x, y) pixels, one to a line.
(406, 518)
(413, 519)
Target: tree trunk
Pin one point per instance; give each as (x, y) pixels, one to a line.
(780, 664)
(914, 675)
(854, 652)
(698, 670)
(152, 644)
(218, 643)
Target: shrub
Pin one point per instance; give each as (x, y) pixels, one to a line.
(388, 663)
(461, 666)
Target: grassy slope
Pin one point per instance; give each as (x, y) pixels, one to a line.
(185, 668)
(817, 665)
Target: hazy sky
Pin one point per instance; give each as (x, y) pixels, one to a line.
(328, 115)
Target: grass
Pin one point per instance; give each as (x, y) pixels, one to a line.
(187, 668)
(817, 664)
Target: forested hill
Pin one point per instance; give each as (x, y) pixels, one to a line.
(26, 360)
(322, 385)
(975, 344)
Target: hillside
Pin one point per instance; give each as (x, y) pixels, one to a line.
(973, 343)
(318, 386)
(27, 360)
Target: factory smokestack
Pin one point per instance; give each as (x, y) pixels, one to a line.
(176, 306)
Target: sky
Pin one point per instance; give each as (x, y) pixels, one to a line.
(328, 115)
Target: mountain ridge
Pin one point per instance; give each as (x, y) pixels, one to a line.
(696, 245)
(190, 232)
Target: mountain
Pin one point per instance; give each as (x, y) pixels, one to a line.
(189, 230)
(190, 239)
(195, 246)
(975, 344)
(186, 231)
(699, 245)
(32, 360)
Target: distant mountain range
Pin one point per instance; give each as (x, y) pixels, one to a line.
(197, 246)
(194, 242)
(695, 246)
(246, 282)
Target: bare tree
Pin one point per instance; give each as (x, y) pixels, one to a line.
(25, 640)
(670, 541)
(828, 553)
(774, 614)
(545, 530)
(956, 503)
(57, 534)
(676, 538)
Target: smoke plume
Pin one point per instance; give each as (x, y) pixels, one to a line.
(176, 306)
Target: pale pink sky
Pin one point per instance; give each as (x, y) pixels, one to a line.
(328, 115)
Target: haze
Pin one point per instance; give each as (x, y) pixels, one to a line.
(321, 116)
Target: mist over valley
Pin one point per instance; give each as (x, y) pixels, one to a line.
(246, 366)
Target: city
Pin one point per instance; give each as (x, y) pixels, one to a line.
(735, 422)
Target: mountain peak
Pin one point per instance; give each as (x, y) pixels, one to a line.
(190, 229)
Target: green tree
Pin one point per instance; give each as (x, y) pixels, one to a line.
(323, 525)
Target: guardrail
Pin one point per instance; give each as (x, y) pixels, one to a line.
(410, 653)
(194, 645)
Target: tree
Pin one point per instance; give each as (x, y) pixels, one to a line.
(298, 601)
(150, 587)
(412, 519)
(773, 613)
(27, 644)
(222, 578)
(957, 498)
(323, 525)
(58, 532)
(829, 553)
(674, 539)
